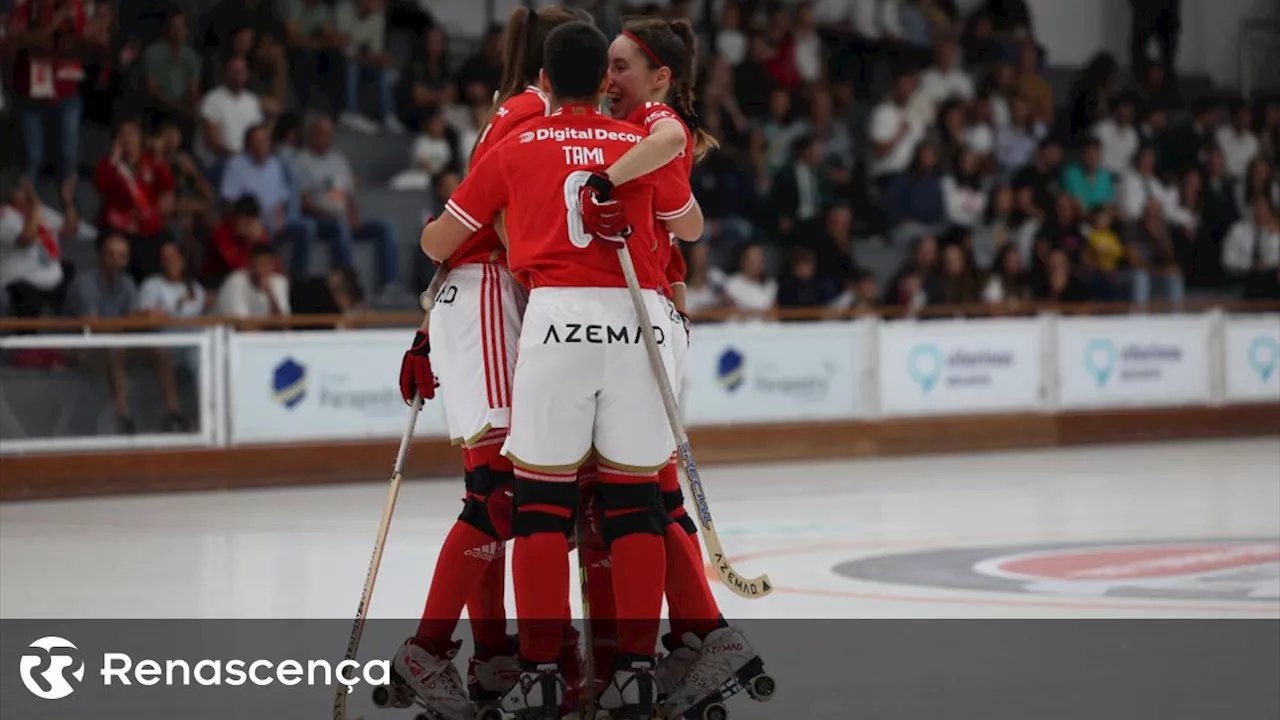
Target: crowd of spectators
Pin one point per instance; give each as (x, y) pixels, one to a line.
(850, 129)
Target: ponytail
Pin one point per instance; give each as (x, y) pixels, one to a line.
(673, 45)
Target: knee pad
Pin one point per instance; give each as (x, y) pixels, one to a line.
(542, 507)
(632, 509)
(487, 507)
(673, 503)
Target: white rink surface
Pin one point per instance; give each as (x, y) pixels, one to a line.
(302, 553)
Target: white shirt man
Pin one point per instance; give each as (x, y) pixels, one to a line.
(1119, 145)
(1247, 243)
(888, 120)
(1136, 190)
(33, 261)
(242, 297)
(1239, 147)
(233, 113)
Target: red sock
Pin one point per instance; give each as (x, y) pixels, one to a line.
(488, 451)
(456, 578)
(693, 606)
(640, 565)
(488, 611)
(604, 616)
(540, 569)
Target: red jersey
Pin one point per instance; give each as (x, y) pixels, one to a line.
(43, 75)
(131, 196)
(669, 256)
(536, 175)
(485, 245)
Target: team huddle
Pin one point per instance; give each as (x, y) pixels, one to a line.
(548, 388)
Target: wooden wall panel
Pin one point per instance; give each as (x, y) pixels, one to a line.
(80, 474)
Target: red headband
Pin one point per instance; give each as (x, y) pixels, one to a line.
(644, 48)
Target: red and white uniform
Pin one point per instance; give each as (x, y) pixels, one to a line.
(583, 376)
(44, 75)
(668, 255)
(475, 324)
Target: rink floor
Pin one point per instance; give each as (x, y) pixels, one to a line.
(1163, 531)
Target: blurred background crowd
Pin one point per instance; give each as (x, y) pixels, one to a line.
(253, 158)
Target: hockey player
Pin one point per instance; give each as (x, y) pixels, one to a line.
(583, 379)
(651, 74)
(476, 325)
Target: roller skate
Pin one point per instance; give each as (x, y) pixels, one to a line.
(632, 692)
(725, 666)
(490, 674)
(673, 666)
(426, 678)
(537, 694)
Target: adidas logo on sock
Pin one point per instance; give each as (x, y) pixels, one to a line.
(488, 552)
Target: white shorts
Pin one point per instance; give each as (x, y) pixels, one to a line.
(679, 347)
(583, 381)
(475, 330)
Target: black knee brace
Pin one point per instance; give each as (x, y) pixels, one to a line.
(646, 514)
(673, 503)
(536, 492)
(481, 484)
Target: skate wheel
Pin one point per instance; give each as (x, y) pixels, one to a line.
(382, 696)
(715, 711)
(490, 713)
(762, 688)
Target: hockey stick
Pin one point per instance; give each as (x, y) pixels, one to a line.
(751, 588)
(587, 698)
(427, 299)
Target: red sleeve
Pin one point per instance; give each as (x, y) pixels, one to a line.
(104, 176)
(676, 268)
(482, 193)
(672, 195)
(656, 112)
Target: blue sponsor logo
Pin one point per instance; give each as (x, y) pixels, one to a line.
(924, 366)
(1264, 356)
(1100, 360)
(731, 370)
(289, 383)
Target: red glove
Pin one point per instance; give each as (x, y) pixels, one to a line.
(601, 215)
(416, 377)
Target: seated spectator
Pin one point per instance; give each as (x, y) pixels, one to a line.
(193, 201)
(1269, 133)
(894, 132)
(1064, 229)
(1060, 285)
(1091, 95)
(1158, 273)
(286, 140)
(1237, 140)
(835, 137)
(752, 83)
(800, 286)
(233, 241)
(906, 291)
(1087, 181)
(108, 292)
(914, 203)
(944, 80)
(1221, 206)
(258, 173)
(314, 44)
(914, 17)
(957, 279)
(964, 191)
(1251, 252)
(703, 288)
(426, 84)
(832, 248)
(997, 229)
(172, 294)
(484, 66)
(1033, 87)
(1140, 187)
(337, 292)
(137, 198)
(255, 291)
(227, 112)
(807, 46)
(861, 295)
(1151, 130)
(1006, 284)
(365, 24)
(731, 42)
(1001, 86)
(1016, 141)
(33, 277)
(980, 133)
(328, 198)
(751, 294)
(432, 153)
(801, 190)
(952, 127)
(1107, 260)
(1117, 137)
(778, 136)
(1038, 184)
(1184, 147)
(171, 69)
(1259, 182)
(720, 110)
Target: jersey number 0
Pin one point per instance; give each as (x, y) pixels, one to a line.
(573, 213)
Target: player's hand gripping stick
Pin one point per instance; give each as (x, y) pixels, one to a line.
(751, 588)
(601, 214)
